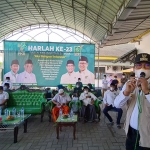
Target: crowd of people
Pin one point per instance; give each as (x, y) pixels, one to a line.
(111, 90)
(133, 92)
(61, 98)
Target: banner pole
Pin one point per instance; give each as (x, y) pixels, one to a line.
(98, 66)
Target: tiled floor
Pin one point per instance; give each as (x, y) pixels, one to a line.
(42, 136)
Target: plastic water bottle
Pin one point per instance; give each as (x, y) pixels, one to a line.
(0, 112)
(14, 112)
(71, 114)
(6, 112)
(22, 112)
(60, 113)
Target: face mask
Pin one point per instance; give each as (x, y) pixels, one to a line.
(123, 76)
(63, 95)
(111, 88)
(85, 92)
(138, 72)
(7, 80)
(5, 88)
(79, 80)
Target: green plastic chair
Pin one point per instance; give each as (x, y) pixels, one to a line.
(97, 107)
(70, 87)
(50, 106)
(78, 104)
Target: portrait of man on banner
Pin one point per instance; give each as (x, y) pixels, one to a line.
(13, 73)
(83, 73)
(70, 76)
(27, 76)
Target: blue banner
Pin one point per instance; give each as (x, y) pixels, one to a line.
(48, 64)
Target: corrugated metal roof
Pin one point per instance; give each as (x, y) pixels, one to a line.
(105, 22)
(93, 18)
(134, 20)
(115, 50)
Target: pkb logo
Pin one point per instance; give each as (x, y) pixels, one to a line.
(22, 47)
(77, 50)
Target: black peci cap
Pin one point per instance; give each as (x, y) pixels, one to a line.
(15, 62)
(143, 57)
(112, 84)
(29, 61)
(6, 84)
(70, 62)
(83, 58)
(85, 87)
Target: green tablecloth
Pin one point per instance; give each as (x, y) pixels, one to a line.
(74, 119)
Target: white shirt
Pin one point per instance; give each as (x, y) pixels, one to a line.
(26, 77)
(68, 78)
(109, 97)
(121, 100)
(86, 77)
(9, 82)
(12, 76)
(3, 97)
(109, 81)
(104, 84)
(85, 100)
(61, 99)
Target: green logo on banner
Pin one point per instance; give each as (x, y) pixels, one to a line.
(22, 46)
(77, 50)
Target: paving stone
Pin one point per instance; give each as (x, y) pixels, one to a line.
(77, 145)
(80, 148)
(42, 147)
(42, 136)
(56, 146)
(72, 148)
(5, 147)
(122, 147)
(64, 148)
(22, 148)
(93, 148)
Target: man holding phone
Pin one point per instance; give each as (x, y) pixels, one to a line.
(137, 125)
(88, 112)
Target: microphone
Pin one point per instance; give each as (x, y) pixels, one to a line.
(142, 75)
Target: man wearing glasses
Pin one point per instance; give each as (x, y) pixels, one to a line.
(136, 94)
(83, 73)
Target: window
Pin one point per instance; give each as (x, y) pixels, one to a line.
(99, 74)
